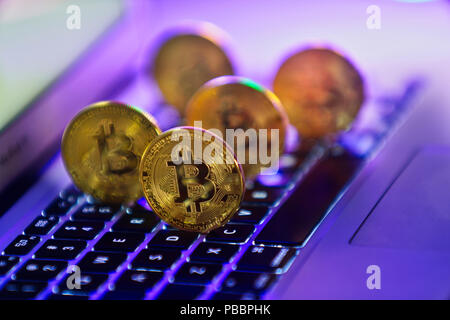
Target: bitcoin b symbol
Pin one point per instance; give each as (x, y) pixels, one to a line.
(194, 187)
(115, 150)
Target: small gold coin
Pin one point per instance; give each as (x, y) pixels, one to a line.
(235, 103)
(191, 179)
(187, 60)
(102, 148)
(321, 91)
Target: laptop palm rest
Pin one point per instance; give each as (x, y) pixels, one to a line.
(414, 213)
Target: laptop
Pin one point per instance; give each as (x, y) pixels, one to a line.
(366, 217)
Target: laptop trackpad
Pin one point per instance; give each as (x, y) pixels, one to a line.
(415, 211)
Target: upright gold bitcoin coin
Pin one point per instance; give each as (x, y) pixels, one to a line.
(191, 179)
(249, 117)
(102, 148)
(321, 91)
(185, 61)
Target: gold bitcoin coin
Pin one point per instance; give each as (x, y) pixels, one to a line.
(185, 61)
(102, 148)
(191, 179)
(321, 91)
(248, 116)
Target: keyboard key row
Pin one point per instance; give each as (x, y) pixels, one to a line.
(39, 270)
(95, 212)
(84, 230)
(60, 249)
(21, 290)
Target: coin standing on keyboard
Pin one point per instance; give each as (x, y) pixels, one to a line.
(321, 91)
(187, 59)
(248, 116)
(191, 179)
(102, 147)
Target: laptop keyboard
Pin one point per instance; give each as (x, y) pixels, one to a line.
(126, 252)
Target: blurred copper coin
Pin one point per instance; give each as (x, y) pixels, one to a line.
(249, 117)
(102, 148)
(321, 91)
(188, 59)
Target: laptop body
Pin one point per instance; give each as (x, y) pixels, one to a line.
(357, 230)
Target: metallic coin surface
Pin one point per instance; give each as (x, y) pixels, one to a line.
(102, 148)
(186, 61)
(197, 187)
(321, 91)
(230, 103)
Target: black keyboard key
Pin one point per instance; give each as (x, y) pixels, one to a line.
(21, 290)
(233, 233)
(58, 207)
(137, 281)
(123, 295)
(277, 180)
(173, 239)
(66, 297)
(137, 221)
(234, 296)
(40, 270)
(138, 209)
(155, 259)
(119, 241)
(85, 230)
(22, 245)
(60, 249)
(96, 212)
(197, 273)
(7, 263)
(89, 284)
(41, 225)
(242, 282)
(309, 202)
(263, 196)
(267, 259)
(101, 262)
(290, 162)
(180, 292)
(253, 215)
(71, 194)
(213, 252)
